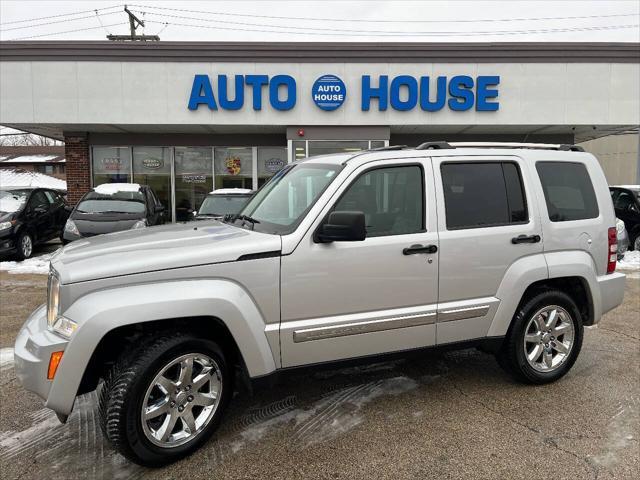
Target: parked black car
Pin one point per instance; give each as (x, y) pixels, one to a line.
(224, 201)
(29, 216)
(626, 202)
(113, 207)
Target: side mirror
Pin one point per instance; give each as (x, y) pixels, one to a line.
(159, 209)
(40, 210)
(342, 227)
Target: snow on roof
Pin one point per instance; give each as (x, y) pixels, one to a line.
(113, 188)
(21, 178)
(31, 159)
(231, 191)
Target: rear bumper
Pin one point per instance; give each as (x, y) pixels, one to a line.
(32, 351)
(611, 290)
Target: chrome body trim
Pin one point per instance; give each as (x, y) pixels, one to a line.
(355, 328)
(463, 313)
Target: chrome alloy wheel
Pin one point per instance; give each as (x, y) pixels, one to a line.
(26, 246)
(181, 400)
(548, 338)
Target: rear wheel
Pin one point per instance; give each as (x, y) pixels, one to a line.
(164, 399)
(24, 247)
(544, 340)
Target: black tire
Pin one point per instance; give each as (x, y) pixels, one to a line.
(512, 354)
(123, 392)
(21, 254)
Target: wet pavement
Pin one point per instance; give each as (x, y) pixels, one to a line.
(451, 415)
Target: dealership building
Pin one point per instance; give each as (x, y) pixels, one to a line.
(188, 118)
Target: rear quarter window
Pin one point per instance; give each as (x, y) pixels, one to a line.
(568, 191)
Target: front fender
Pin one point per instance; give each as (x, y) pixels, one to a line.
(99, 312)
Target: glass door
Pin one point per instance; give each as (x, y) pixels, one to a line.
(193, 179)
(152, 166)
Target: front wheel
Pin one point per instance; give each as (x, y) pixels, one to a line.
(544, 339)
(164, 399)
(24, 247)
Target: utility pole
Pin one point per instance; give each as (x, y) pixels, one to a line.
(134, 22)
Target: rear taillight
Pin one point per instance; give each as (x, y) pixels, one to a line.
(612, 250)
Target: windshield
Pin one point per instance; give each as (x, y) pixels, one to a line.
(118, 202)
(280, 205)
(222, 204)
(12, 200)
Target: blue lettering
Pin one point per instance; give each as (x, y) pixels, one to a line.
(441, 94)
(412, 88)
(223, 93)
(202, 93)
(483, 93)
(460, 88)
(257, 81)
(369, 92)
(274, 86)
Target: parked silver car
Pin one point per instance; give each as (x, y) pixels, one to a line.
(337, 257)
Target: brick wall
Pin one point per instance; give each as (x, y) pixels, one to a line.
(78, 168)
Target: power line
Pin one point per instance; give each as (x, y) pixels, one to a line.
(573, 17)
(416, 34)
(60, 15)
(67, 31)
(57, 21)
(403, 33)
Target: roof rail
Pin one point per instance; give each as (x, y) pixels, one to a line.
(390, 147)
(533, 146)
(434, 146)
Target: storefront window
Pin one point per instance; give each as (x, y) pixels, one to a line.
(194, 179)
(270, 161)
(321, 147)
(234, 167)
(152, 166)
(111, 165)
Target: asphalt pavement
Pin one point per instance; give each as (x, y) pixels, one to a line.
(450, 415)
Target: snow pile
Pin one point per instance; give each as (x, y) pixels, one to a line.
(36, 265)
(113, 188)
(22, 178)
(631, 261)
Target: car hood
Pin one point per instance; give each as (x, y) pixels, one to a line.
(159, 248)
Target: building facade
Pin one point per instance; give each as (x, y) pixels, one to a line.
(190, 117)
(45, 159)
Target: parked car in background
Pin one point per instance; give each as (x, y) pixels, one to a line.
(626, 202)
(623, 238)
(225, 201)
(28, 217)
(113, 207)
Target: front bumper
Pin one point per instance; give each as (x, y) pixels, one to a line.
(32, 351)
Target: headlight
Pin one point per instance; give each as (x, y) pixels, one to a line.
(619, 226)
(53, 298)
(71, 227)
(139, 224)
(57, 323)
(5, 225)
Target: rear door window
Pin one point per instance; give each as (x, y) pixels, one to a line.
(568, 191)
(483, 194)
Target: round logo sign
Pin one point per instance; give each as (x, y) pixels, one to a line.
(153, 163)
(328, 92)
(273, 165)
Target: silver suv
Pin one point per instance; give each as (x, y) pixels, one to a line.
(508, 248)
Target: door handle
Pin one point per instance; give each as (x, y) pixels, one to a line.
(525, 239)
(416, 249)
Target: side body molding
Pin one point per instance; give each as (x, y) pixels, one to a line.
(99, 312)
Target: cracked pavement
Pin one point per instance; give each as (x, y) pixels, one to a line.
(448, 415)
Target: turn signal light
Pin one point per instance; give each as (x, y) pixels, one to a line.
(612, 254)
(54, 361)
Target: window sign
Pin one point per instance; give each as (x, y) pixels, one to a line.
(111, 165)
(234, 167)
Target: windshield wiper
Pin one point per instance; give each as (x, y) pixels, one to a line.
(245, 218)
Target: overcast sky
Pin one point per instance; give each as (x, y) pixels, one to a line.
(428, 21)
